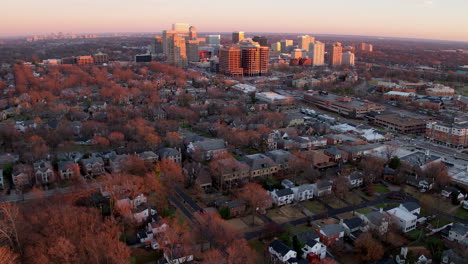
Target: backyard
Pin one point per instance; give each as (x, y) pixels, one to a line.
(314, 206)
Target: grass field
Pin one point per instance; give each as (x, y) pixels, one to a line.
(462, 213)
(141, 256)
(379, 188)
(335, 202)
(365, 195)
(314, 206)
(384, 205)
(353, 198)
(364, 210)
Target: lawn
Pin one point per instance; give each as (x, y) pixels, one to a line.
(365, 195)
(353, 198)
(439, 222)
(381, 189)
(141, 256)
(300, 229)
(334, 202)
(314, 206)
(415, 234)
(364, 210)
(462, 213)
(385, 205)
(257, 245)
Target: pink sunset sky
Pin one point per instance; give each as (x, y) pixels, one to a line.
(436, 19)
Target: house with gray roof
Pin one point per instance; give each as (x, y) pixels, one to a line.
(458, 233)
(208, 148)
(171, 154)
(283, 196)
(336, 154)
(322, 188)
(92, 166)
(68, 169)
(43, 172)
(280, 157)
(377, 220)
(303, 192)
(261, 165)
(355, 179)
(148, 156)
(281, 252)
(330, 234)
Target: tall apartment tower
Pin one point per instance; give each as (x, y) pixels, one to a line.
(262, 40)
(370, 48)
(304, 42)
(230, 61)
(264, 57)
(366, 47)
(192, 50)
(250, 61)
(336, 55)
(237, 36)
(213, 39)
(317, 53)
(193, 33)
(363, 46)
(348, 58)
(177, 51)
(286, 45)
(158, 45)
(181, 27)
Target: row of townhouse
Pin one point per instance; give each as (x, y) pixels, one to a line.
(303, 192)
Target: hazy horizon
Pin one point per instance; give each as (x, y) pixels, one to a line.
(414, 19)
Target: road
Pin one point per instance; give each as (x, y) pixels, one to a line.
(34, 195)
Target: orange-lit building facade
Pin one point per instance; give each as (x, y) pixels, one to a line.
(230, 62)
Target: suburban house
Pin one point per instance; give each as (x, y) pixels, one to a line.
(68, 170)
(236, 207)
(377, 220)
(2, 181)
(412, 207)
(280, 157)
(268, 142)
(287, 183)
(282, 252)
(336, 154)
(353, 227)
(447, 191)
(261, 165)
(329, 234)
(170, 154)
(420, 254)
(177, 256)
(322, 188)
(92, 166)
(43, 172)
(313, 250)
(22, 175)
(319, 159)
(458, 233)
(420, 183)
(148, 156)
(449, 256)
(117, 162)
(141, 216)
(229, 172)
(132, 203)
(283, 196)
(355, 179)
(353, 152)
(207, 148)
(303, 192)
(405, 220)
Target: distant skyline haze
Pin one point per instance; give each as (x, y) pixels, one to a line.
(437, 19)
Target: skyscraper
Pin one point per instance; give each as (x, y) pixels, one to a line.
(264, 57)
(192, 50)
(366, 47)
(317, 53)
(158, 45)
(304, 42)
(348, 58)
(192, 33)
(276, 46)
(213, 39)
(262, 40)
(286, 45)
(296, 53)
(336, 54)
(230, 61)
(250, 61)
(176, 51)
(237, 36)
(181, 27)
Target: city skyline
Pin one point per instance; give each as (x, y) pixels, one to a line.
(438, 20)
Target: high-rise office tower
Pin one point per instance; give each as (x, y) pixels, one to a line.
(262, 40)
(276, 46)
(363, 46)
(158, 45)
(237, 36)
(213, 39)
(192, 50)
(303, 42)
(176, 51)
(181, 27)
(348, 58)
(264, 57)
(286, 45)
(370, 48)
(192, 33)
(336, 54)
(317, 53)
(230, 61)
(296, 53)
(250, 61)
(366, 47)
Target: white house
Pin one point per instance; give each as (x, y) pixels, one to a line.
(303, 192)
(412, 207)
(405, 220)
(281, 251)
(143, 215)
(322, 188)
(355, 179)
(283, 196)
(458, 232)
(314, 249)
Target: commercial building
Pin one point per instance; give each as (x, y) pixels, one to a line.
(100, 58)
(158, 45)
(296, 53)
(273, 98)
(237, 36)
(262, 40)
(192, 50)
(453, 135)
(317, 53)
(230, 62)
(181, 27)
(303, 42)
(366, 47)
(176, 51)
(400, 124)
(213, 39)
(275, 46)
(348, 58)
(83, 60)
(255, 60)
(193, 33)
(286, 45)
(346, 106)
(336, 55)
(440, 90)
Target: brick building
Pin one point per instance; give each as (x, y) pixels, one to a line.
(403, 125)
(452, 135)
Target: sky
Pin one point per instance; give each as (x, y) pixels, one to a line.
(436, 19)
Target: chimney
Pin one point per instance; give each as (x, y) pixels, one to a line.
(341, 221)
(381, 210)
(428, 153)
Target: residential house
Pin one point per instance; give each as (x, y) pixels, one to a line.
(449, 256)
(336, 155)
(141, 216)
(294, 119)
(404, 219)
(171, 154)
(353, 153)
(204, 180)
(283, 196)
(117, 163)
(447, 191)
(68, 170)
(2, 180)
(177, 256)
(420, 254)
(148, 156)
(207, 148)
(458, 233)
(261, 165)
(319, 159)
(282, 252)
(322, 188)
(318, 141)
(330, 234)
(303, 192)
(355, 179)
(43, 172)
(412, 207)
(22, 175)
(353, 227)
(313, 250)
(377, 220)
(236, 207)
(93, 166)
(287, 184)
(420, 183)
(268, 142)
(8, 158)
(280, 157)
(126, 201)
(229, 172)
